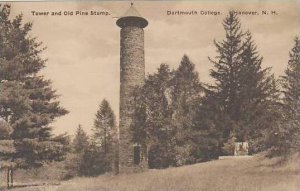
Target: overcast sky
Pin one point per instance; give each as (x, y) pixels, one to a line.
(83, 51)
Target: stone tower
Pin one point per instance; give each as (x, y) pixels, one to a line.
(132, 157)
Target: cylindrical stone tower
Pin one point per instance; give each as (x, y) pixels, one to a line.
(132, 74)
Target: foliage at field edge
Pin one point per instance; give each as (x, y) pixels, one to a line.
(184, 121)
(95, 154)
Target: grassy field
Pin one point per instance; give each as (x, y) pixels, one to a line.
(231, 174)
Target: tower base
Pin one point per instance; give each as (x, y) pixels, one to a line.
(138, 162)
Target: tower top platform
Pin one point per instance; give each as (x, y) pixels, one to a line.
(132, 18)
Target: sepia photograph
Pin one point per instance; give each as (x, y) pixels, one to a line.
(163, 95)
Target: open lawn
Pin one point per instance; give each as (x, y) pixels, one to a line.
(230, 174)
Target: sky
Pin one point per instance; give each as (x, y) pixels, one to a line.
(83, 51)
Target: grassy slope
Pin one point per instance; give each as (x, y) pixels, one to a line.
(243, 174)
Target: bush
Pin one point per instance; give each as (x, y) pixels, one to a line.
(90, 162)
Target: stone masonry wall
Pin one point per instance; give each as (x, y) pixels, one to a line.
(132, 74)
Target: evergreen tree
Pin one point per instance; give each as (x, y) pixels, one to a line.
(104, 132)
(286, 138)
(87, 159)
(164, 115)
(208, 124)
(244, 93)
(225, 71)
(75, 164)
(27, 101)
(258, 98)
(94, 161)
(186, 94)
(152, 118)
(80, 141)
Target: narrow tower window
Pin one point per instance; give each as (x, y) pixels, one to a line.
(136, 155)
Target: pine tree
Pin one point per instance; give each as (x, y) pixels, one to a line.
(164, 115)
(258, 96)
(290, 130)
(27, 101)
(81, 140)
(75, 163)
(88, 159)
(225, 71)
(186, 93)
(244, 93)
(152, 118)
(104, 132)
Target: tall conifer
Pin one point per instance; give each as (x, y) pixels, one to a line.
(243, 90)
(291, 87)
(105, 131)
(28, 102)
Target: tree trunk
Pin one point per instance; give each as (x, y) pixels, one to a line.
(12, 177)
(8, 177)
(105, 141)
